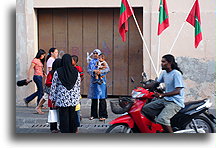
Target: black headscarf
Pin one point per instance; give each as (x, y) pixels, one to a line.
(56, 64)
(67, 73)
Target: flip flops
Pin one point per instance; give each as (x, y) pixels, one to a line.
(91, 118)
(102, 119)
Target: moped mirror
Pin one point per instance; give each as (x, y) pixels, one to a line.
(132, 80)
(144, 76)
(156, 78)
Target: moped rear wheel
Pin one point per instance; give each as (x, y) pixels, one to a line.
(119, 128)
(201, 122)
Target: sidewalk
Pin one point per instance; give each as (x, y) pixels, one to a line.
(27, 121)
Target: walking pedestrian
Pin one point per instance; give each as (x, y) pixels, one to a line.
(37, 66)
(56, 64)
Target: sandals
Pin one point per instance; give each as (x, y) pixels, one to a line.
(26, 102)
(102, 119)
(91, 118)
(44, 107)
(39, 111)
(55, 131)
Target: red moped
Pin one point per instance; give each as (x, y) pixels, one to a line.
(187, 120)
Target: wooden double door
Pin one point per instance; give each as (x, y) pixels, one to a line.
(78, 31)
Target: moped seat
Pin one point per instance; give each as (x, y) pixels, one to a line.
(192, 105)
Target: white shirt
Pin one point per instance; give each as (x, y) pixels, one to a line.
(49, 63)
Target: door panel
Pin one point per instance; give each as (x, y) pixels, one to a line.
(89, 40)
(75, 36)
(105, 41)
(135, 51)
(60, 29)
(120, 60)
(45, 29)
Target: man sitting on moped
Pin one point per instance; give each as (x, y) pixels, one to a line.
(172, 100)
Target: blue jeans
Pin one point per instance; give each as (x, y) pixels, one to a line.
(39, 92)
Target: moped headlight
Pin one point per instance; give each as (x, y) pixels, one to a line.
(140, 95)
(136, 94)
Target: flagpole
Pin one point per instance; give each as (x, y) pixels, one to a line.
(176, 37)
(179, 33)
(180, 30)
(175, 41)
(158, 56)
(142, 38)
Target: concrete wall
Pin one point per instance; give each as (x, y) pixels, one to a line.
(82, 3)
(26, 44)
(198, 64)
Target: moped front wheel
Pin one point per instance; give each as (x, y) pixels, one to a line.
(119, 128)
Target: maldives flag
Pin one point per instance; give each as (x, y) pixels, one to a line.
(163, 17)
(125, 13)
(194, 19)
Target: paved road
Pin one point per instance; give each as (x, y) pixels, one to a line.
(27, 121)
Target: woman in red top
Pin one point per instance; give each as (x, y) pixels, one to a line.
(56, 64)
(37, 65)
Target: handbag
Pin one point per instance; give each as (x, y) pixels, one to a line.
(23, 82)
(53, 116)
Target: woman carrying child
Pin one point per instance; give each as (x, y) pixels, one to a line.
(97, 91)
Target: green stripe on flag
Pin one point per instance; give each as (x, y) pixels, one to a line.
(197, 26)
(162, 15)
(123, 8)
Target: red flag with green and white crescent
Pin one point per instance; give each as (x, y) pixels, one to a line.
(195, 20)
(125, 13)
(163, 17)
